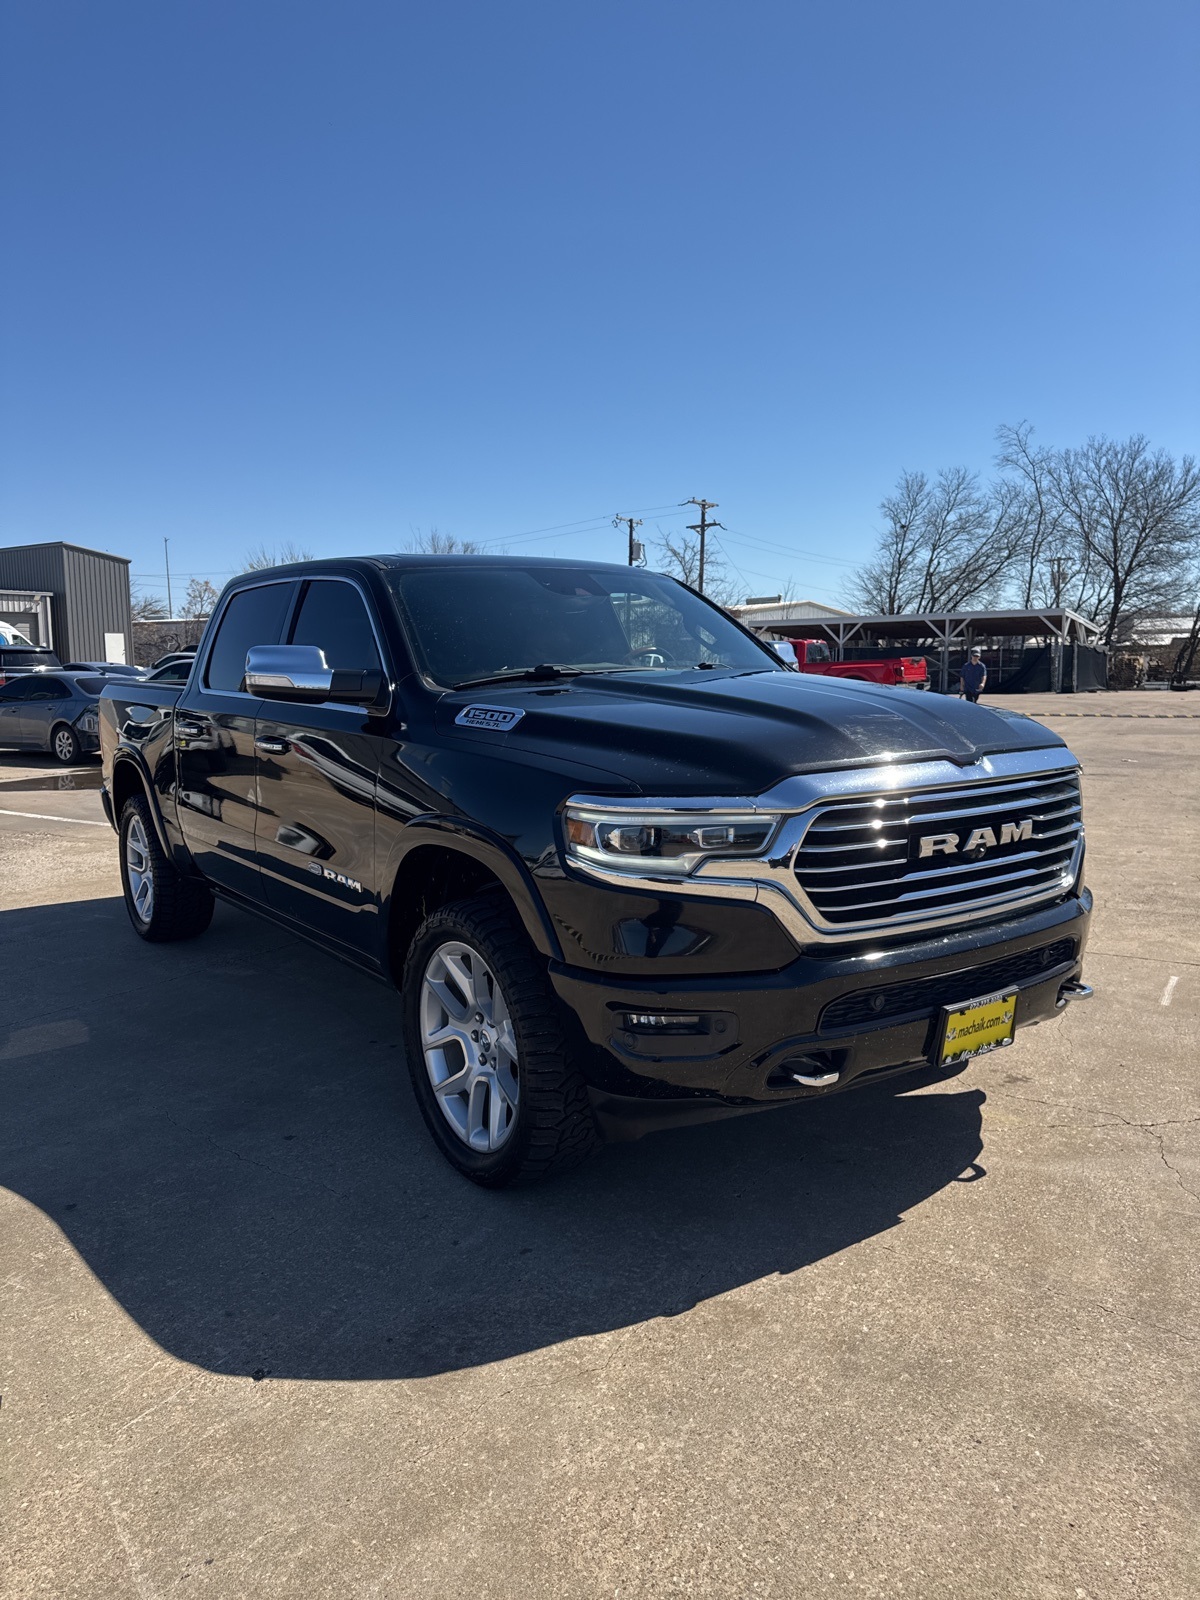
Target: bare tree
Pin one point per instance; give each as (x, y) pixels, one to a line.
(1135, 514)
(145, 607)
(434, 543)
(945, 544)
(1045, 556)
(200, 599)
(264, 556)
(679, 556)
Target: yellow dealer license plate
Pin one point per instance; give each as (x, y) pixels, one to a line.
(980, 1026)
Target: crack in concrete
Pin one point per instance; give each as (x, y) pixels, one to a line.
(1129, 955)
(1117, 1121)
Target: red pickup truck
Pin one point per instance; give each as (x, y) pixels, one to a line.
(813, 655)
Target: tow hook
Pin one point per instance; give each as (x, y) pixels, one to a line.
(1073, 990)
(816, 1080)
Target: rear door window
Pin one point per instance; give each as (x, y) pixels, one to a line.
(16, 689)
(332, 616)
(253, 616)
(49, 688)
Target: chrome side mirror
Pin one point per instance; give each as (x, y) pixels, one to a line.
(299, 672)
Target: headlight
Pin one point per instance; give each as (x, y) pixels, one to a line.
(89, 722)
(658, 842)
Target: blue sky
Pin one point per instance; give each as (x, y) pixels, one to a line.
(330, 273)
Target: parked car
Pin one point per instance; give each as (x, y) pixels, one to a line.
(815, 656)
(16, 660)
(54, 711)
(625, 867)
(176, 671)
(171, 657)
(106, 669)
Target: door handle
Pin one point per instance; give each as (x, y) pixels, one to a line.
(190, 730)
(273, 747)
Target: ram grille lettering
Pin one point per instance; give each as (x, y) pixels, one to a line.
(978, 840)
(1013, 832)
(945, 844)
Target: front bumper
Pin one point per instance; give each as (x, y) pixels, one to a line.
(761, 1027)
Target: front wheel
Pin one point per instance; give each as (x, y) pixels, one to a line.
(162, 904)
(489, 1048)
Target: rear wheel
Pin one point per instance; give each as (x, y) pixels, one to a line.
(162, 904)
(65, 745)
(489, 1048)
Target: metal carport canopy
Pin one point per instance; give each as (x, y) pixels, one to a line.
(947, 627)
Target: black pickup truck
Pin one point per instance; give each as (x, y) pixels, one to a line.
(625, 867)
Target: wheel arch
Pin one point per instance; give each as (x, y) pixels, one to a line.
(440, 863)
(129, 779)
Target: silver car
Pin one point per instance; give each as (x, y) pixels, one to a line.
(54, 711)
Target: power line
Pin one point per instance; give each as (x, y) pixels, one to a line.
(789, 550)
(721, 547)
(565, 530)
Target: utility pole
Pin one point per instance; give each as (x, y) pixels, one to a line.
(702, 528)
(637, 550)
(167, 559)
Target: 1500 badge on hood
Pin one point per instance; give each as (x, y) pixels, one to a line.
(498, 718)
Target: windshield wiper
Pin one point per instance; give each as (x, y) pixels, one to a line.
(541, 674)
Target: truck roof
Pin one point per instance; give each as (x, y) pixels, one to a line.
(402, 560)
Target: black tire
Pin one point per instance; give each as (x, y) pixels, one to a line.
(552, 1128)
(178, 907)
(64, 745)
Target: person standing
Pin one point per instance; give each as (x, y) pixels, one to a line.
(973, 676)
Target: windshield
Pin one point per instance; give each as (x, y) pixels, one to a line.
(94, 686)
(469, 623)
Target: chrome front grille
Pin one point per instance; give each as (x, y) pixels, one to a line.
(863, 863)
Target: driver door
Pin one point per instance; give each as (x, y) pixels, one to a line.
(216, 794)
(317, 775)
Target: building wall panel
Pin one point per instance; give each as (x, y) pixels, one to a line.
(90, 591)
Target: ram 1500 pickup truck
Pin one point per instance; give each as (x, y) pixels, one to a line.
(625, 868)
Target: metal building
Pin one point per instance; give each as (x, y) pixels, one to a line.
(89, 603)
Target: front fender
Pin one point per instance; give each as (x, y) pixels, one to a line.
(470, 839)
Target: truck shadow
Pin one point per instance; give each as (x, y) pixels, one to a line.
(225, 1133)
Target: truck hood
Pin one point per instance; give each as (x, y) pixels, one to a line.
(733, 733)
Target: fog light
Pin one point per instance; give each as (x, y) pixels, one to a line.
(663, 1022)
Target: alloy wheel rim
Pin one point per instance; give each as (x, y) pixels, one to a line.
(137, 864)
(470, 1047)
(64, 745)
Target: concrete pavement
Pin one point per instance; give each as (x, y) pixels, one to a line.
(261, 1342)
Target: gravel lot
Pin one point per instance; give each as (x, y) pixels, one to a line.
(261, 1342)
